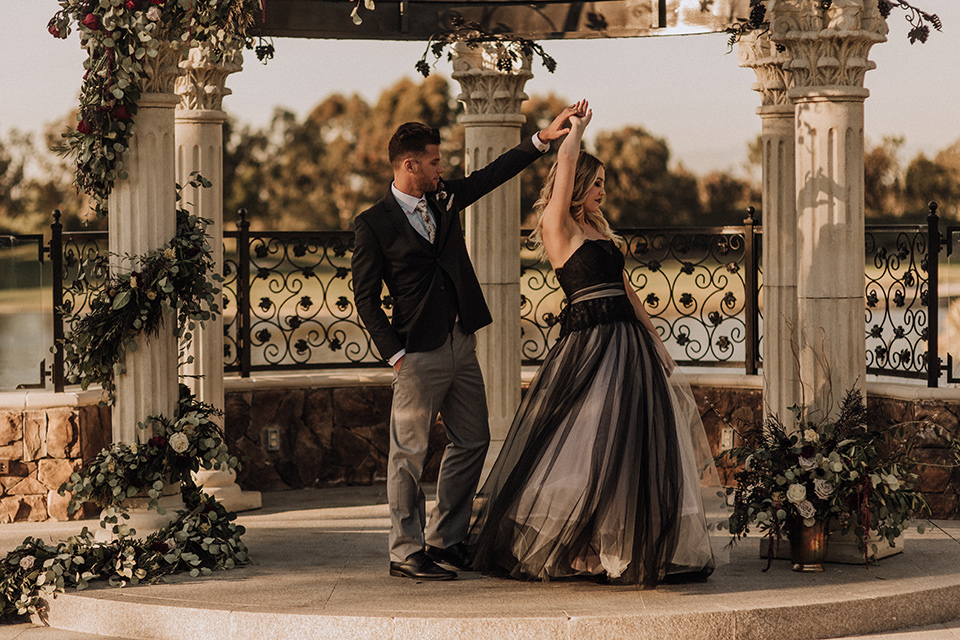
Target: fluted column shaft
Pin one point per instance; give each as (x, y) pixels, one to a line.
(781, 384)
(199, 124)
(781, 387)
(143, 219)
(492, 100)
(828, 47)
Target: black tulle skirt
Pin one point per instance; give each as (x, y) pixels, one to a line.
(601, 472)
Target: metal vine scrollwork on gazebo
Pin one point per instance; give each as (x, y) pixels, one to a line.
(896, 300)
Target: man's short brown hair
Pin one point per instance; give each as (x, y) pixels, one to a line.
(411, 139)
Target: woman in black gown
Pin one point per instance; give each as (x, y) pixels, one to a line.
(600, 473)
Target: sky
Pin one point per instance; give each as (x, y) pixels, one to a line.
(686, 89)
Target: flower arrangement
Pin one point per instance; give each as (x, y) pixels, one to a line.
(125, 42)
(174, 279)
(204, 538)
(857, 474)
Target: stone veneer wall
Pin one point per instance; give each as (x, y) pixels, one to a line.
(43, 447)
(339, 435)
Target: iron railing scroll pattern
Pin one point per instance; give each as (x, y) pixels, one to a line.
(898, 297)
(80, 269)
(293, 295)
(288, 296)
(691, 282)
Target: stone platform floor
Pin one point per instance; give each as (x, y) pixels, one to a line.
(320, 571)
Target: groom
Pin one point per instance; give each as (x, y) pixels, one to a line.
(412, 241)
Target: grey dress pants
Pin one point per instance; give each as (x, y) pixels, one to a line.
(446, 380)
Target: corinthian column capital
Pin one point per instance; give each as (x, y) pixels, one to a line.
(161, 71)
(203, 84)
(758, 52)
(488, 92)
(827, 42)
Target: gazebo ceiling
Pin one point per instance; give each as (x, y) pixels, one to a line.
(544, 20)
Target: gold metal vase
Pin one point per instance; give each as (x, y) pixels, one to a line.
(808, 546)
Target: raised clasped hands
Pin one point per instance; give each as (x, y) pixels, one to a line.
(578, 114)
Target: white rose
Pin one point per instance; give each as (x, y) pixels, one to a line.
(26, 562)
(808, 464)
(179, 442)
(810, 435)
(806, 509)
(893, 482)
(809, 522)
(796, 493)
(822, 488)
(153, 13)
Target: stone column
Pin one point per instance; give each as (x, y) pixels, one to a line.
(199, 141)
(492, 121)
(828, 51)
(142, 219)
(781, 386)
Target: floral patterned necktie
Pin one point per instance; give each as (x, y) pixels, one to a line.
(421, 210)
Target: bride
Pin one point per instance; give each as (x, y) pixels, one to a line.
(601, 472)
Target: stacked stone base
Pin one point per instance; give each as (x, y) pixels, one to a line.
(42, 447)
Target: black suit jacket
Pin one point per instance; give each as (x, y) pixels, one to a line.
(419, 274)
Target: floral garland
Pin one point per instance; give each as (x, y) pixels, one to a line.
(862, 477)
(176, 278)
(204, 538)
(124, 39)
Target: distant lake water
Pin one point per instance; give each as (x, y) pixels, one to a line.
(25, 339)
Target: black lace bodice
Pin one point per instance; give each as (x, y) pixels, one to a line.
(595, 262)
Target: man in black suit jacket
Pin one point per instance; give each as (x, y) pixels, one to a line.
(413, 242)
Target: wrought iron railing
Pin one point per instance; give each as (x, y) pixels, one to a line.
(699, 285)
(288, 299)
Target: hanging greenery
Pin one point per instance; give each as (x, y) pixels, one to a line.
(175, 279)
(509, 48)
(125, 42)
(204, 538)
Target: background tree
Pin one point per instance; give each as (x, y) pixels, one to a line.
(883, 181)
(927, 180)
(641, 189)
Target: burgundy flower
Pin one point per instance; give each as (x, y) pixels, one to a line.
(120, 112)
(56, 31)
(157, 2)
(83, 127)
(91, 22)
(808, 451)
(130, 4)
(157, 441)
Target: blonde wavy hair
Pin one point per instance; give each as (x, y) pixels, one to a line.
(588, 166)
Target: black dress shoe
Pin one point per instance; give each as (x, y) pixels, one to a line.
(457, 556)
(420, 567)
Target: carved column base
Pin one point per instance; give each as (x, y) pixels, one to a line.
(222, 486)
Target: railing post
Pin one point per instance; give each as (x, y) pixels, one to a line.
(56, 261)
(243, 293)
(933, 296)
(751, 306)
